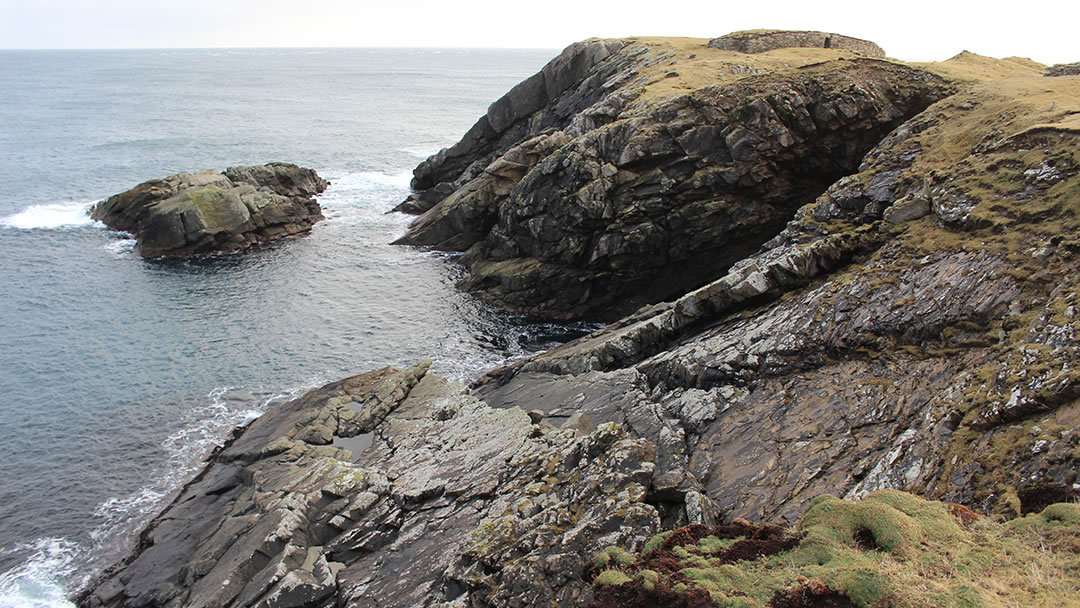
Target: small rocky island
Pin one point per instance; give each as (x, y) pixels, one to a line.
(850, 298)
(207, 211)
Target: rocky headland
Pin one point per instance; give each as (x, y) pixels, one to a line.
(208, 211)
(844, 280)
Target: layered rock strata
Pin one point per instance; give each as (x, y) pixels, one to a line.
(453, 503)
(592, 202)
(207, 211)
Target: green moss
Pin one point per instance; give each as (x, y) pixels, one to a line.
(864, 587)
(612, 577)
(921, 556)
(725, 578)
(1054, 516)
(712, 544)
(654, 543)
(649, 579)
(614, 556)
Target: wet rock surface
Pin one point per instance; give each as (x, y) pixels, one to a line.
(205, 212)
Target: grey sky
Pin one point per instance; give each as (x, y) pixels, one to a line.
(913, 30)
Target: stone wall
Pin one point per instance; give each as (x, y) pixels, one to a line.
(767, 40)
(1063, 69)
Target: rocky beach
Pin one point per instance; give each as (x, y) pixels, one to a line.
(841, 301)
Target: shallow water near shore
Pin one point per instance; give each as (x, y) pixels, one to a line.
(119, 374)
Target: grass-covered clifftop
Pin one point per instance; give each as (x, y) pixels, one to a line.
(889, 549)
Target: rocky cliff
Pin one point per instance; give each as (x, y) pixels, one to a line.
(659, 166)
(208, 211)
(909, 323)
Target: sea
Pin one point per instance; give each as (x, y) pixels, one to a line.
(118, 375)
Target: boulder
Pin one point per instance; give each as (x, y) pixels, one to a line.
(207, 211)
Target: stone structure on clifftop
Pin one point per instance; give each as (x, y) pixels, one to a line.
(759, 41)
(207, 211)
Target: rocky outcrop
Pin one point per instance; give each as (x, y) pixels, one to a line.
(760, 41)
(908, 329)
(187, 214)
(633, 200)
(912, 326)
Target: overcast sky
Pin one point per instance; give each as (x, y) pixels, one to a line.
(911, 30)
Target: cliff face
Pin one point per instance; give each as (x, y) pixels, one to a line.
(623, 191)
(909, 325)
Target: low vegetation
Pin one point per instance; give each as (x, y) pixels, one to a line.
(890, 549)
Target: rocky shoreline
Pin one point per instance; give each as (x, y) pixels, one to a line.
(836, 274)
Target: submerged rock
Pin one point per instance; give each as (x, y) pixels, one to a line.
(187, 214)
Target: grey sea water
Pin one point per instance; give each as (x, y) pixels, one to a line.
(117, 375)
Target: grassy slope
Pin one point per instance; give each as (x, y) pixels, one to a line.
(890, 549)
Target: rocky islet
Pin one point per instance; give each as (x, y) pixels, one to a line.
(208, 211)
(909, 324)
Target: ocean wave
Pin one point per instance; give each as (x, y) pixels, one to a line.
(122, 247)
(51, 215)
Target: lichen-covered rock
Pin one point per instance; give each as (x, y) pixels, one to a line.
(931, 351)
(187, 214)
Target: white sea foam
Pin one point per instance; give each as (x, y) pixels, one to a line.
(122, 247)
(52, 215)
(39, 582)
(46, 577)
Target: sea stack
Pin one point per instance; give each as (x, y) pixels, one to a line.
(205, 212)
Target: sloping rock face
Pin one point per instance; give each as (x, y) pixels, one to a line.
(187, 214)
(759, 41)
(454, 504)
(594, 202)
